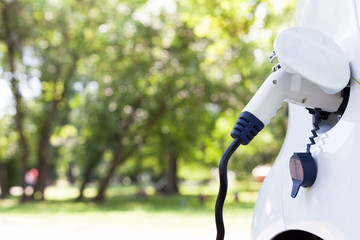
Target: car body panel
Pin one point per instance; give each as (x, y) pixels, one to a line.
(330, 208)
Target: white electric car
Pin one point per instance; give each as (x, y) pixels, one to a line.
(330, 208)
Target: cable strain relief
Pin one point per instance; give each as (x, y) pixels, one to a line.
(247, 127)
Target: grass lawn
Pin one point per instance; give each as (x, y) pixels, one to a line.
(125, 215)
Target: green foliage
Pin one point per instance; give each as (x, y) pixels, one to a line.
(148, 81)
(8, 140)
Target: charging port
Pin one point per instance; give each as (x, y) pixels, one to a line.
(329, 120)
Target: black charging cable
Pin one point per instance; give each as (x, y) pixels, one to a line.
(223, 188)
(246, 128)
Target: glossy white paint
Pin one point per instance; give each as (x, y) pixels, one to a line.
(314, 56)
(269, 218)
(330, 208)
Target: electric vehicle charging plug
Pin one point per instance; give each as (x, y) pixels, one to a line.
(281, 86)
(312, 71)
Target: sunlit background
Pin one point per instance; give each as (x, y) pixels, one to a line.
(114, 115)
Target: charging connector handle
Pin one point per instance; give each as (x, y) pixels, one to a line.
(283, 86)
(246, 127)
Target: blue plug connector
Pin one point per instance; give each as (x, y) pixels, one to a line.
(246, 128)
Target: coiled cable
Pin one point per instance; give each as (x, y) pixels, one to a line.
(317, 120)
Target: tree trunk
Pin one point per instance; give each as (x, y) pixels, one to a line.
(86, 179)
(119, 156)
(171, 186)
(44, 147)
(3, 181)
(24, 146)
(11, 44)
(171, 183)
(44, 152)
(100, 197)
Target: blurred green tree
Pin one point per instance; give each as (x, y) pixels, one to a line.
(136, 86)
(58, 42)
(12, 34)
(239, 38)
